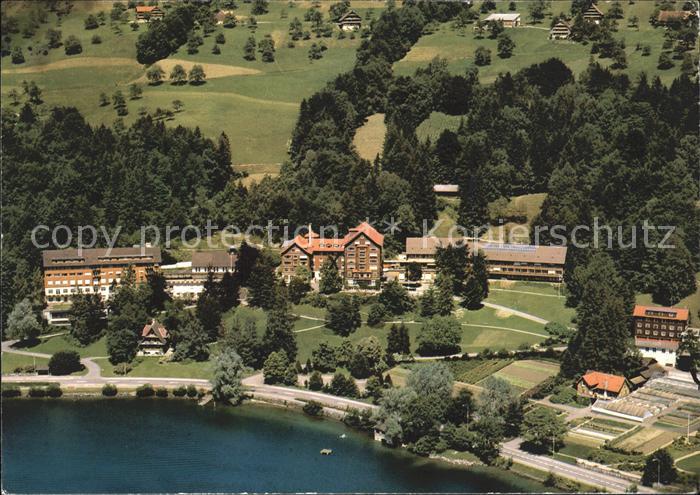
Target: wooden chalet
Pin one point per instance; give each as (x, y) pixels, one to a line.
(593, 14)
(148, 13)
(509, 20)
(155, 340)
(597, 385)
(350, 21)
(560, 31)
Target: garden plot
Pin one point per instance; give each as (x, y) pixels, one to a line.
(476, 370)
(645, 440)
(602, 429)
(527, 374)
(687, 414)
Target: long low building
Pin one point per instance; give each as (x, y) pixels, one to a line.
(92, 271)
(510, 261)
(185, 280)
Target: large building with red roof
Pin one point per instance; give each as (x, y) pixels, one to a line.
(358, 255)
(658, 331)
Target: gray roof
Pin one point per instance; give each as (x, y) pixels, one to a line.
(215, 259)
(66, 258)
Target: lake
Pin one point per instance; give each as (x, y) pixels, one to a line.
(131, 445)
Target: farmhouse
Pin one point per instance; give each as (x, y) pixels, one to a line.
(148, 13)
(510, 261)
(658, 331)
(91, 271)
(508, 20)
(597, 385)
(560, 31)
(358, 255)
(350, 21)
(593, 14)
(154, 340)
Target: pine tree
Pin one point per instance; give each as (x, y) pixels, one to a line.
(330, 282)
(243, 338)
(473, 206)
(209, 308)
(262, 282)
(444, 297)
(193, 339)
(229, 291)
(279, 332)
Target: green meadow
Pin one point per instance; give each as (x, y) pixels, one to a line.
(533, 45)
(254, 102)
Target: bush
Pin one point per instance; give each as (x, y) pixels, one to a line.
(180, 391)
(191, 391)
(567, 395)
(72, 45)
(64, 363)
(161, 392)
(315, 381)
(96, 40)
(313, 408)
(145, 390)
(37, 392)
(11, 391)
(122, 368)
(109, 390)
(54, 390)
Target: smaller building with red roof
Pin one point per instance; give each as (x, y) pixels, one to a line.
(597, 385)
(658, 331)
(148, 13)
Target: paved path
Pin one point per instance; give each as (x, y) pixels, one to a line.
(571, 471)
(521, 314)
(93, 369)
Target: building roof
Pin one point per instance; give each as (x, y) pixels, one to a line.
(144, 9)
(522, 253)
(349, 17)
(673, 15)
(503, 17)
(676, 314)
(313, 243)
(604, 381)
(156, 329)
(562, 25)
(66, 258)
(593, 11)
(219, 258)
(671, 345)
(445, 188)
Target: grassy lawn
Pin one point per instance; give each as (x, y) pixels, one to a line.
(691, 464)
(11, 361)
(547, 306)
(526, 374)
(255, 103)
(369, 139)
(65, 343)
(150, 366)
(533, 46)
(433, 126)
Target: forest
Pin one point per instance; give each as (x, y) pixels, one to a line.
(603, 147)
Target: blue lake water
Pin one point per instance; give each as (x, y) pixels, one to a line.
(176, 446)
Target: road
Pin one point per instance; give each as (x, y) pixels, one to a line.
(571, 471)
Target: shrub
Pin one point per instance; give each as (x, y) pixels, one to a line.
(54, 390)
(37, 392)
(145, 390)
(313, 408)
(96, 39)
(11, 391)
(64, 363)
(180, 391)
(191, 391)
(161, 392)
(72, 45)
(109, 390)
(315, 381)
(122, 368)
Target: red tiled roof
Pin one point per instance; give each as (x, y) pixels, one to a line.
(156, 328)
(668, 15)
(677, 314)
(604, 381)
(313, 243)
(144, 9)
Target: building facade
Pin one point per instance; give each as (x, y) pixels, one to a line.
(593, 14)
(560, 31)
(185, 280)
(92, 271)
(148, 13)
(350, 21)
(658, 331)
(155, 340)
(358, 256)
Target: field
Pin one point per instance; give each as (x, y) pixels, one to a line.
(526, 374)
(65, 343)
(646, 440)
(12, 361)
(369, 139)
(475, 370)
(539, 299)
(533, 46)
(691, 464)
(255, 103)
